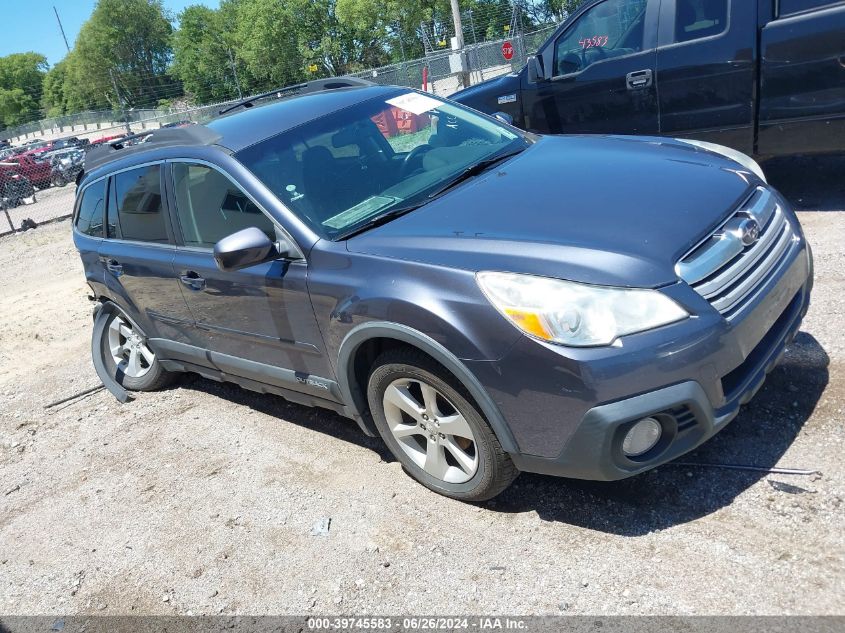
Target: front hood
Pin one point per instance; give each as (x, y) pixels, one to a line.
(597, 209)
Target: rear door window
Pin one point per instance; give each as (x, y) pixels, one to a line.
(138, 201)
(90, 217)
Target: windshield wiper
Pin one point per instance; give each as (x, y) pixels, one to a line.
(380, 219)
(475, 169)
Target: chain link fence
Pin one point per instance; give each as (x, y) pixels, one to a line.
(484, 61)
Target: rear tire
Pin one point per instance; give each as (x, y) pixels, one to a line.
(428, 421)
(128, 358)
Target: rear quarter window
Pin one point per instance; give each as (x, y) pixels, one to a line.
(89, 219)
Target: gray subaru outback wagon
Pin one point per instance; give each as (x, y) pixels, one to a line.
(485, 300)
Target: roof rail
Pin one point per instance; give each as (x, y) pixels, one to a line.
(317, 85)
(190, 135)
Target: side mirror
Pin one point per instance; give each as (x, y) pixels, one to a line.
(504, 117)
(535, 70)
(246, 248)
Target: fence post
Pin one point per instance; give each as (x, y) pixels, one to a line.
(8, 218)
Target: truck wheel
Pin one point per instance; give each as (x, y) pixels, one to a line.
(429, 423)
(128, 358)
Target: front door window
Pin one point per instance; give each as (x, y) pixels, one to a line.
(611, 29)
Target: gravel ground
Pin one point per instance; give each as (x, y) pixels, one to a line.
(202, 498)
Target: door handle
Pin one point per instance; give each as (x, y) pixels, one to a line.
(639, 79)
(192, 280)
(114, 267)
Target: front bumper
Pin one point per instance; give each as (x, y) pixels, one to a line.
(569, 409)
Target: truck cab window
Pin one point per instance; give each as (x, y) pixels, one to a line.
(611, 29)
(695, 19)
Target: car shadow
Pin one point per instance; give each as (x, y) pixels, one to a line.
(675, 494)
(810, 183)
(311, 418)
(656, 500)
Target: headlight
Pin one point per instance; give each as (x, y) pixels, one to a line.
(738, 157)
(576, 314)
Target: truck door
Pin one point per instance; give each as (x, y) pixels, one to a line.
(706, 60)
(802, 88)
(598, 73)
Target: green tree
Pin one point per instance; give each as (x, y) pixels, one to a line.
(122, 54)
(266, 35)
(392, 25)
(53, 96)
(21, 77)
(559, 10)
(204, 54)
(80, 93)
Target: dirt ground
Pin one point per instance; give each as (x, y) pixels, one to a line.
(202, 498)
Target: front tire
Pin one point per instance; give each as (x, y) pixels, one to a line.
(128, 358)
(429, 423)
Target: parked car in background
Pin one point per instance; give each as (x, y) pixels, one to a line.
(106, 139)
(764, 77)
(15, 188)
(34, 166)
(65, 165)
(71, 141)
(32, 145)
(487, 301)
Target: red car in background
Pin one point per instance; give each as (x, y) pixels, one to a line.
(35, 168)
(106, 139)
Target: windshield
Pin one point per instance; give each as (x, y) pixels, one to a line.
(340, 172)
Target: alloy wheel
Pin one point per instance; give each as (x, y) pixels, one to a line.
(129, 349)
(431, 430)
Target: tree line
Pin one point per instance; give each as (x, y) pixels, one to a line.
(136, 54)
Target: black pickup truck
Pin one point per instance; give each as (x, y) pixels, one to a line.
(765, 77)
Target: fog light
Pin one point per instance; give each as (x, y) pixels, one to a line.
(642, 437)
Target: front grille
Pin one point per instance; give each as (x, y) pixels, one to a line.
(729, 265)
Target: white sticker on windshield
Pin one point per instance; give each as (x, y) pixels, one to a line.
(414, 103)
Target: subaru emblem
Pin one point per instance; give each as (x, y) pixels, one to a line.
(749, 231)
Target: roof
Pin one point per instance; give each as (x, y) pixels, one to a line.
(192, 135)
(237, 131)
(248, 127)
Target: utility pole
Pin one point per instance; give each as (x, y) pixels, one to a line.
(121, 102)
(61, 28)
(398, 28)
(459, 39)
(235, 72)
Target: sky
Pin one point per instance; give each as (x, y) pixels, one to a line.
(30, 25)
